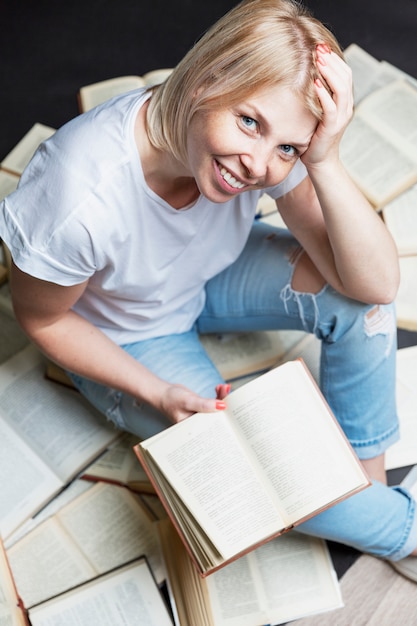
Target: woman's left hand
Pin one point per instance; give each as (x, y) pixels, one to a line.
(337, 108)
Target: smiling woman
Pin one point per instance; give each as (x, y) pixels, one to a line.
(281, 45)
(133, 230)
(250, 145)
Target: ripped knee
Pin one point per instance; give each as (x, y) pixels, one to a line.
(379, 321)
(306, 277)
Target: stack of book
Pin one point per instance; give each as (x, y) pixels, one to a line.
(379, 150)
(90, 534)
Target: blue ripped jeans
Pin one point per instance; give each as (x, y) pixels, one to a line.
(357, 377)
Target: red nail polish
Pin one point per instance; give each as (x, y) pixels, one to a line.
(220, 405)
(323, 47)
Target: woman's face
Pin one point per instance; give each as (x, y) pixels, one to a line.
(251, 145)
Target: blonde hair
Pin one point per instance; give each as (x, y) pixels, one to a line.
(256, 45)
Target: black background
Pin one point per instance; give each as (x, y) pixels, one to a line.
(50, 48)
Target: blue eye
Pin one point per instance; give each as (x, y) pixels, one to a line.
(249, 122)
(289, 150)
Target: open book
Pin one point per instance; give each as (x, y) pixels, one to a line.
(369, 73)
(404, 451)
(101, 529)
(12, 612)
(406, 299)
(400, 217)
(285, 579)
(241, 354)
(48, 434)
(233, 479)
(379, 146)
(17, 159)
(8, 183)
(128, 595)
(119, 465)
(90, 96)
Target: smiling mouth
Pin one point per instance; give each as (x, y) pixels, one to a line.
(230, 179)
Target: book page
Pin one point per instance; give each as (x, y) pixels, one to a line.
(393, 111)
(379, 167)
(364, 68)
(290, 433)
(379, 146)
(121, 598)
(17, 159)
(46, 562)
(240, 354)
(119, 464)
(156, 77)
(369, 74)
(391, 72)
(97, 93)
(400, 217)
(205, 463)
(406, 300)
(56, 422)
(404, 451)
(276, 437)
(111, 528)
(29, 485)
(73, 490)
(8, 183)
(10, 613)
(99, 530)
(287, 578)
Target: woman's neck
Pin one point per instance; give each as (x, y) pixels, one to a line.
(163, 173)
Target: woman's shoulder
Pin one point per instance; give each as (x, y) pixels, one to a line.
(104, 130)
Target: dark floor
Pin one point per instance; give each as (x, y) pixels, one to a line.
(50, 49)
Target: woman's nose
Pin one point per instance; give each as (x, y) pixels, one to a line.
(256, 162)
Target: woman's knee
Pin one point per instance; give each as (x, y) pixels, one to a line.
(306, 277)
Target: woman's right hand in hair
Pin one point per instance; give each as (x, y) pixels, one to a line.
(337, 108)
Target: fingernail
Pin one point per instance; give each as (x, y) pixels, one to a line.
(220, 405)
(228, 387)
(323, 47)
(321, 60)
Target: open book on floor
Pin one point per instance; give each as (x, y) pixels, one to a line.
(400, 217)
(285, 579)
(91, 95)
(369, 73)
(17, 159)
(128, 595)
(234, 479)
(404, 451)
(379, 146)
(406, 299)
(242, 354)
(12, 612)
(119, 465)
(103, 528)
(48, 434)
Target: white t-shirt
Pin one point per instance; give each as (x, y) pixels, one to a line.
(84, 211)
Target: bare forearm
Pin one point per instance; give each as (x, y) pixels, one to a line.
(365, 255)
(80, 347)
